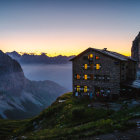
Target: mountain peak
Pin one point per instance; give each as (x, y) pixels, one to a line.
(1, 52)
(138, 36)
(18, 94)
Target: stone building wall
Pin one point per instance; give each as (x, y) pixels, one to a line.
(109, 67)
(131, 70)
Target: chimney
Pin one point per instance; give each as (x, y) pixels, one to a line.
(105, 49)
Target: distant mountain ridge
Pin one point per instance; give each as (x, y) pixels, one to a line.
(39, 59)
(19, 97)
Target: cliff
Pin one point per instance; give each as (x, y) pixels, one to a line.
(136, 49)
(19, 97)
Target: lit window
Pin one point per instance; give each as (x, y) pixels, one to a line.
(97, 57)
(78, 88)
(85, 88)
(85, 77)
(85, 66)
(98, 66)
(90, 56)
(78, 76)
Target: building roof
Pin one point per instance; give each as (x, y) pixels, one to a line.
(107, 53)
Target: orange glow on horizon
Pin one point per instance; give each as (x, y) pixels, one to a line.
(65, 45)
(57, 54)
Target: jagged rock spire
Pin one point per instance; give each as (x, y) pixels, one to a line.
(137, 37)
(135, 50)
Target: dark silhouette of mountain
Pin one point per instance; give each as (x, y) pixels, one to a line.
(19, 97)
(39, 59)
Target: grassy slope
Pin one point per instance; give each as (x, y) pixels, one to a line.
(72, 119)
(8, 127)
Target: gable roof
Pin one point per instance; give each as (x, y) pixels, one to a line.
(107, 53)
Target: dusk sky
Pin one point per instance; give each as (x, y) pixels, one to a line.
(68, 26)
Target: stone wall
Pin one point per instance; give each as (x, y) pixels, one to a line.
(109, 67)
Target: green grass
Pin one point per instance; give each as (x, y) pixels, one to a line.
(8, 127)
(72, 119)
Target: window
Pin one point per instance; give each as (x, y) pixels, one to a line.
(91, 76)
(78, 88)
(85, 77)
(99, 77)
(116, 62)
(85, 58)
(108, 91)
(90, 56)
(97, 57)
(85, 88)
(91, 66)
(103, 77)
(85, 66)
(102, 91)
(98, 66)
(97, 91)
(77, 76)
(108, 78)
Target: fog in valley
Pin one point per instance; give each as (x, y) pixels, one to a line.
(59, 73)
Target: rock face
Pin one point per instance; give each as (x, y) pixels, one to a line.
(135, 50)
(11, 75)
(19, 97)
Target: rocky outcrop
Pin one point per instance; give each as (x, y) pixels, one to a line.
(135, 50)
(19, 97)
(12, 78)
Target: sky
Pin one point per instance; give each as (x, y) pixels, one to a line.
(68, 27)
